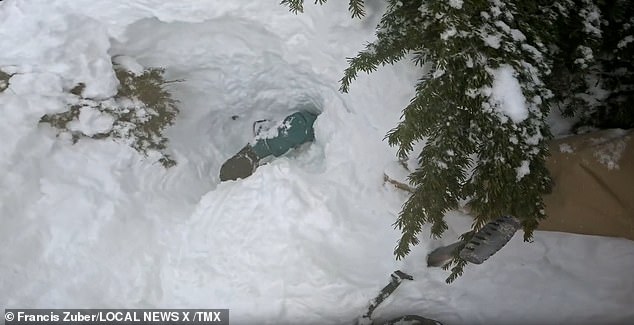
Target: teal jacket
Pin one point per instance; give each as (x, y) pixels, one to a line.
(295, 130)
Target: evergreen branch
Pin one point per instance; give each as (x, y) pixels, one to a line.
(408, 239)
(369, 59)
(457, 270)
(407, 131)
(457, 264)
(395, 38)
(454, 112)
(294, 6)
(356, 8)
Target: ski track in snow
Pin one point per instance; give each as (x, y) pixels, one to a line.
(307, 239)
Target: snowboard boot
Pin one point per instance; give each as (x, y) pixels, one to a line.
(442, 255)
(486, 242)
(490, 239)
(241, 165)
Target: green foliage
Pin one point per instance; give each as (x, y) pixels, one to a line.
(141, 111)
(593, 76)
(356, 7)
(616, 75)
(398, 33)
(473, 152)
(574, 59)
(467, 142)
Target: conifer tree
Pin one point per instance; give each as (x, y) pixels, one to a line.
(613, 80)
(490, 71)
(575, 40)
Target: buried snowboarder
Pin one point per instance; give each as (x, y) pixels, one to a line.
(295, 130)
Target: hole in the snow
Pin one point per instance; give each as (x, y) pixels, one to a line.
(234, 73)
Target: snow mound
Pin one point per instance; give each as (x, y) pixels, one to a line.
(91, 121)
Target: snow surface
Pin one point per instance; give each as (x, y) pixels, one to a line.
(307, 239)
(91, 121)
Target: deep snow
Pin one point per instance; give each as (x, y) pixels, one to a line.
(307, 239)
